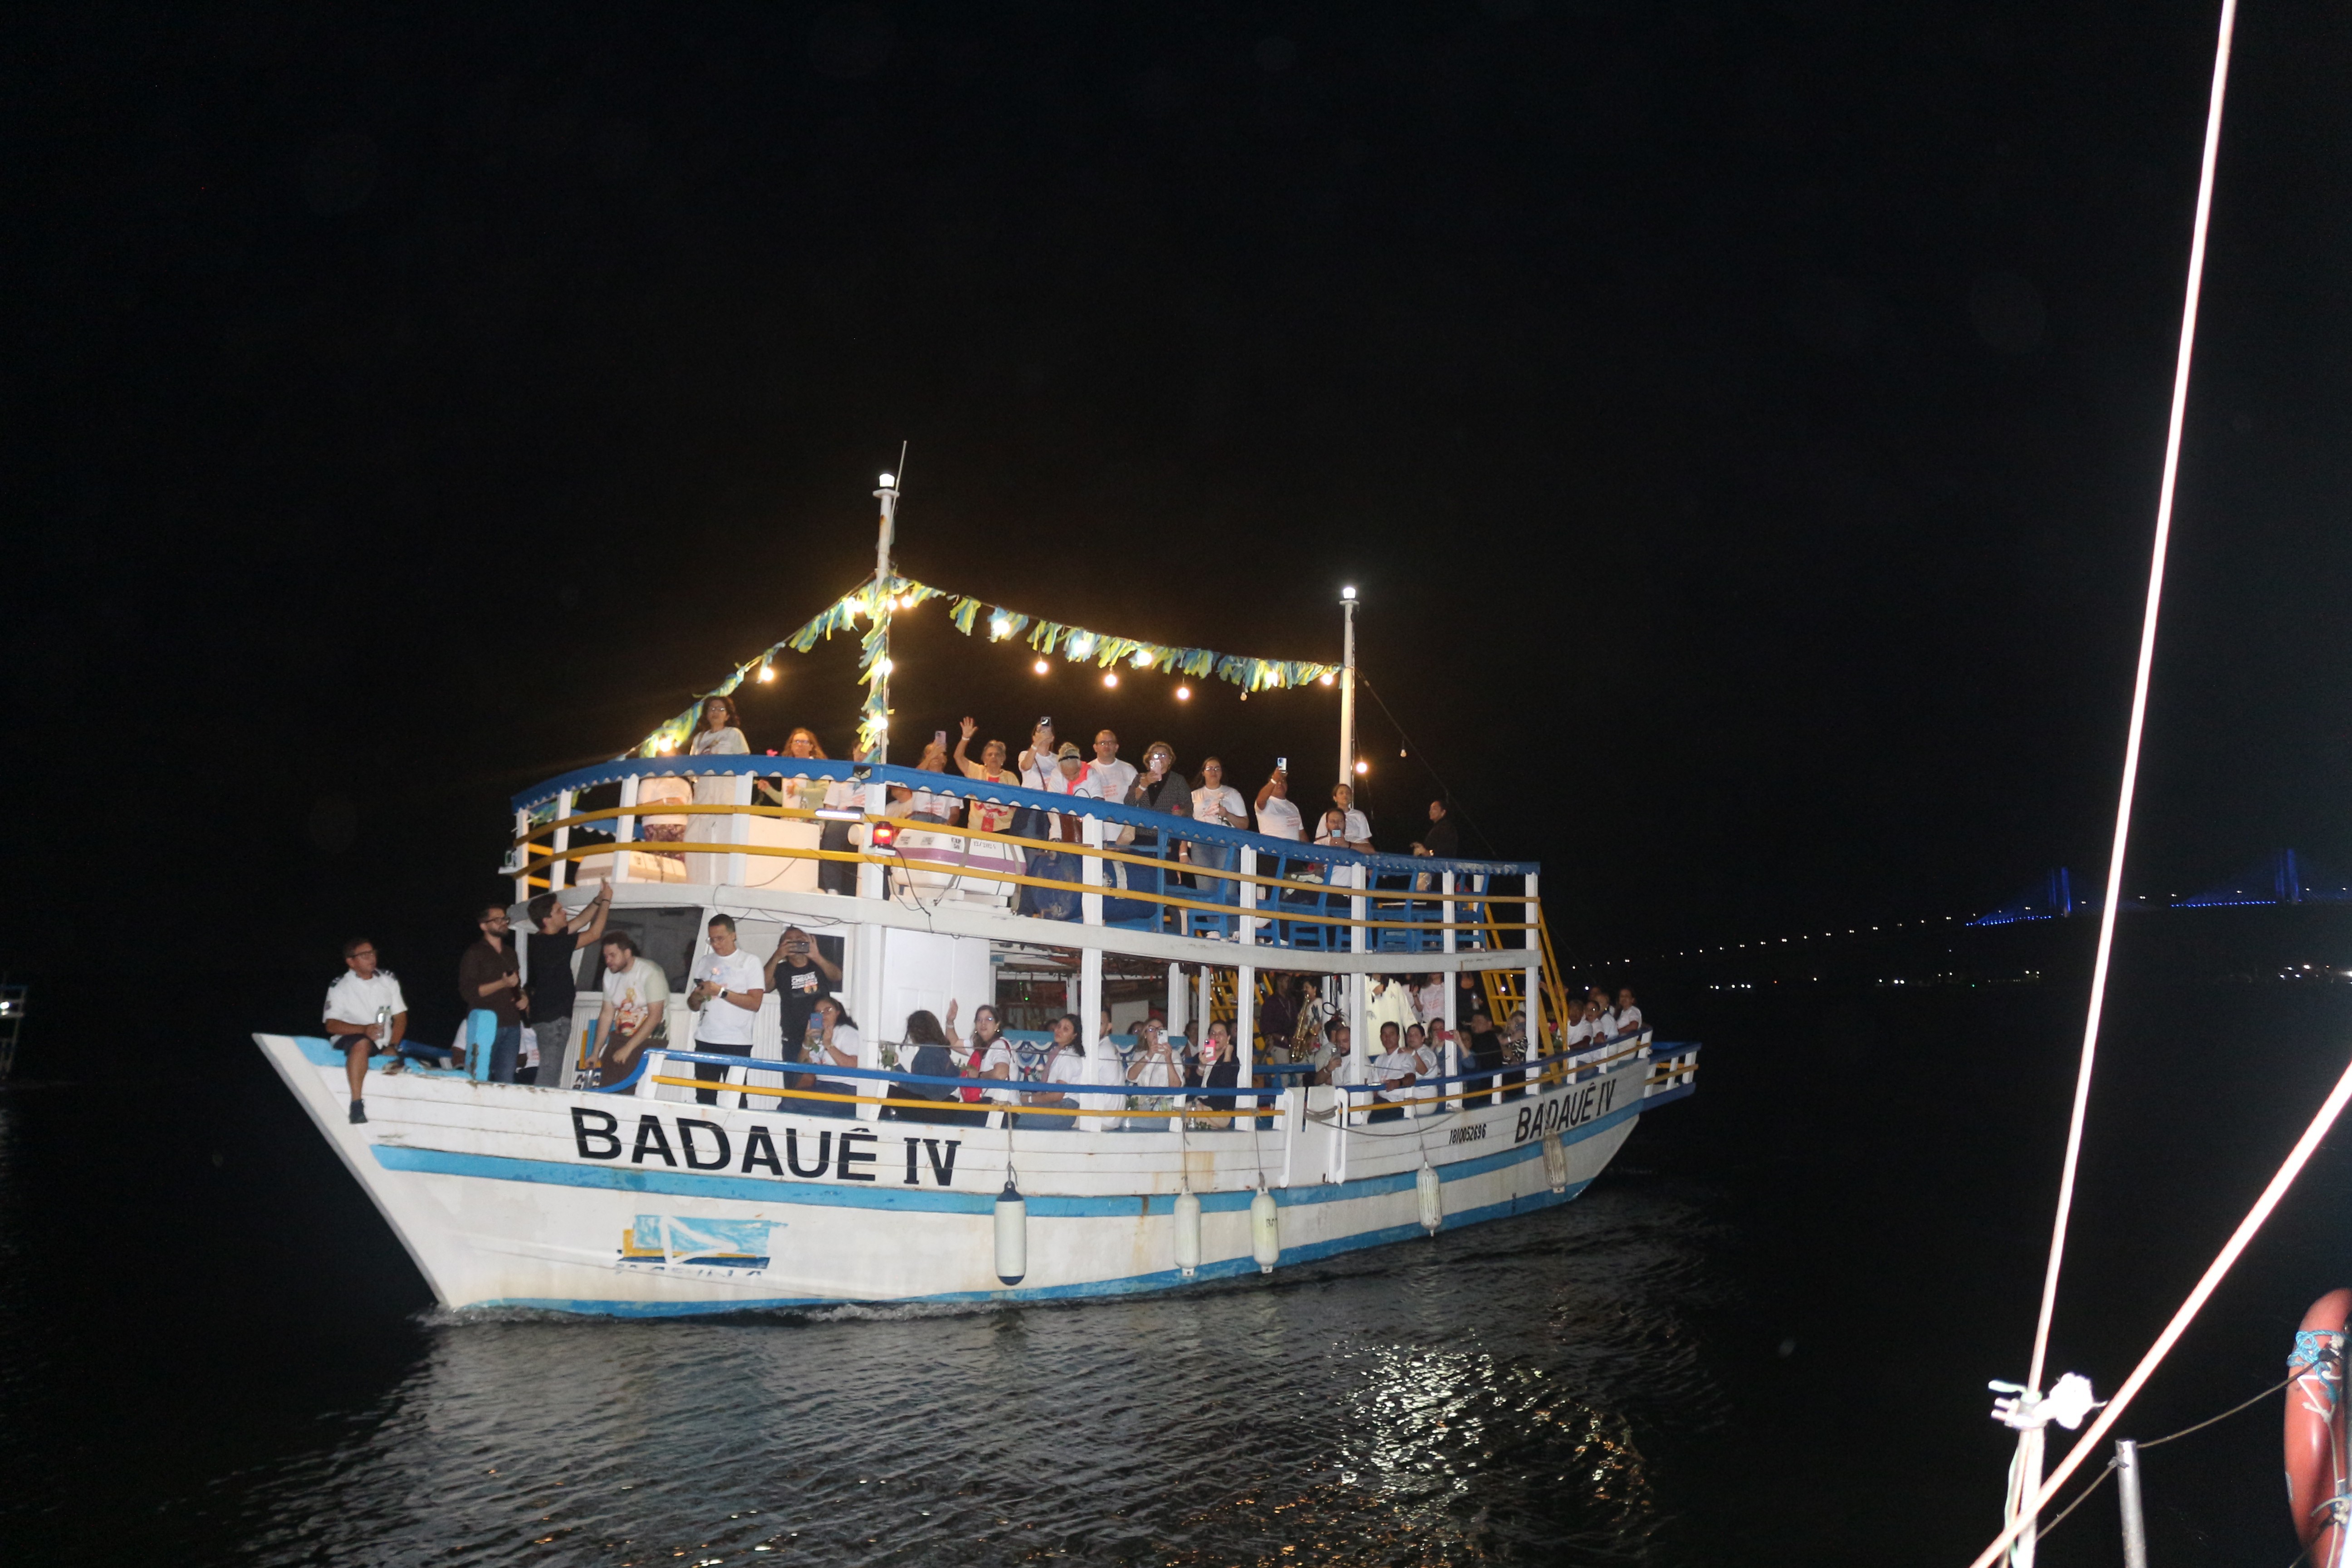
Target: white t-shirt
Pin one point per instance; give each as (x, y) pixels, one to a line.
(1224, 798)
(636, 993)
(940, 803)
(846, 1042)
(1430, 1002)
(1359, 830)
(1070, 1066)
(1111, 780)
(997, 1054)
(355, 1001)
(1158, 1074)
(1387, 1069)
(1277, 818)
(1629, 1020)
(1578, 1033)
(721, 1022)
(1604, 1025)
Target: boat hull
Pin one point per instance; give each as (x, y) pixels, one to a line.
(512, 1196)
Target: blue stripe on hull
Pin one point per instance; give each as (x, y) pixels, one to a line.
(1168, 1280)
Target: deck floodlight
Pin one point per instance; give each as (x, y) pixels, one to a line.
(888, 480)
(1348, 594)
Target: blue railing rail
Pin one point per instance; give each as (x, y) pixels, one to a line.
(842, 770)
(1521, 1068)
(889, 1075)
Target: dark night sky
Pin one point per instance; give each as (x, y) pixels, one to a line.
(1743, 423)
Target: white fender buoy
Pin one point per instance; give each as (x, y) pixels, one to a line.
(1556, 1161)
(1265, 1231)
(1012, 1233)
(1433, 1198)
(1188, 1233)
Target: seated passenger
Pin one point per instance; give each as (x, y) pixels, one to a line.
(1359, 829)
(1155, 1067)
(1330, 1057)
(1331, 830)
(1577, 1038)
(928, 1051)
(832, 1040)
(985, 1055)
(1604, 1018)
(1482, 1052)
(1066, 1062)
(923, 805)
(989, 817)
(1629, 1016)
(365, 1011)
(1395, 1069)
(1217, 1066)
(636, 1013)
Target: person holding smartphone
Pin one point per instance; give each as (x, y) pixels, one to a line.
(801, 973)
(1276, 817)
(1159, 787)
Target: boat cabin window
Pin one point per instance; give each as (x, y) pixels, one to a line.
(667, 936)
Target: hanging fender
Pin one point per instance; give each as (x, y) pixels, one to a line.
(2316, 1457)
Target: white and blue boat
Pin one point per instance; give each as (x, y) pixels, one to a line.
(634, 1200)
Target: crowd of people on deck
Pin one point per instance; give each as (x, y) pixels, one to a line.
(1297, 1027)
(529, 1027)
(1049, 765)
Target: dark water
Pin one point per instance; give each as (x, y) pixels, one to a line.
(1762, 1338)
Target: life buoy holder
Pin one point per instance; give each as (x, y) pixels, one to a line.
(2318, 1460)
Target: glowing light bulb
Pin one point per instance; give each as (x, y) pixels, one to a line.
(1362, 767)
(1111, 678)
(1325, 678)
(766, 672)
(999, 629)
(889, 480)
(888, 665)
(1142, 659)
(908, 603)
(1040, 667)
(1183, 694)
(1348, 595)
(1081, 646)
(666, 743)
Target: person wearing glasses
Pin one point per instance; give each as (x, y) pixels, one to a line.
(490, 979)
(359, 996)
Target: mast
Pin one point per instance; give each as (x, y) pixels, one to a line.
(878, 706)
(1348, 689)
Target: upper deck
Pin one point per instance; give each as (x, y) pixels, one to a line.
(788, 831)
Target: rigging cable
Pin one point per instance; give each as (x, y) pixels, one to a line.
(2083, 1496)
(2139, 696)
(2030, 1508)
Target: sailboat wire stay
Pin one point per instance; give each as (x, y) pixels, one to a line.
(2027, 1492)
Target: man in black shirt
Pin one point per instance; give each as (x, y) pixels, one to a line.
(1482, 1049)
(549, 951)
(799, 971)
(1440, 836)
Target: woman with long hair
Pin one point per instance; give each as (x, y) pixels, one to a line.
(927, 1051)
(834, 1040)
(986, 1054)
(1066, 1062)
(1218, 1068)
(1155, 1068)
(717, 736)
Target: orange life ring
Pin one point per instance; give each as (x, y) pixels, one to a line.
(2318, 1456)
